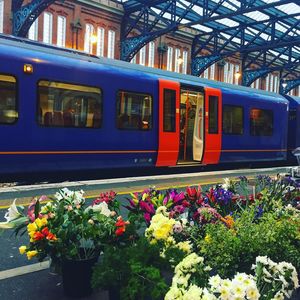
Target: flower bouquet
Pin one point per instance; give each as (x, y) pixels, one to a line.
(68, 231)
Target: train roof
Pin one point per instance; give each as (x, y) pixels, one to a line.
(79, 55)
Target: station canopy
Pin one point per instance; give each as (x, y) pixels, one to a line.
(261, 32)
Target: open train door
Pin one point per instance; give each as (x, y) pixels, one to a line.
(213, 125)
(168, 131)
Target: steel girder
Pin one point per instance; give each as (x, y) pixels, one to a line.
(150, 19)
(290, 84)
(24, 16)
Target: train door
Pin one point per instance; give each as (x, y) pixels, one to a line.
(213, 126)
(168, 131)
(191, 126)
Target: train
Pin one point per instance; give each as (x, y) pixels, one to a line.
(65, 110)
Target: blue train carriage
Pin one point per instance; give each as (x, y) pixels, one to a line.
(254, 126)
(66, 111)
(72, 111)
(294, 126)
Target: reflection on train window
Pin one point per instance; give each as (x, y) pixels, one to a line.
(213, 114)
(233, 119)
(8, 105)
(69, 105)
(169, 110)
(134, 111)
(261, 122)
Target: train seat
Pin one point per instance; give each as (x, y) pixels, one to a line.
(58, 118)
(48, 118)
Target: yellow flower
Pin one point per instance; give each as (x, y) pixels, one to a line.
(31, 227)
(31, 254)
(41, 222)
(208, 239)
(161, 233)
(185, 246)
(22, 249)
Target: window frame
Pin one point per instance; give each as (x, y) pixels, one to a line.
(217, 115)
(68, 127)
(117, 110)
(174, 110)
(243, 119)
(250, 126)
(16, 100)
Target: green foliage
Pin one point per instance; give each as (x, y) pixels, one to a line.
(220, 248)
(273, 235)
(134, 270)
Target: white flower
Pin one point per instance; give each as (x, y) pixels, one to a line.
(102, 208)
(207, 295)
(226, 183)
(193, 293)
(278, 296)
(238, 290)
(12, 212)
(224, 293)
(173, 293)
(214, 281)
(252, 293)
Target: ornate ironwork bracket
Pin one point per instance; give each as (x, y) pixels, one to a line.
(250, 76)
(24, 16)
(199, 64)
(286, 85)
(130, 46)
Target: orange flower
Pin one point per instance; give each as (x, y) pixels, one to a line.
(38, 236)
(228, 220)
(51, 237)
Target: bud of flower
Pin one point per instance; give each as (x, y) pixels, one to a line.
(90, 221)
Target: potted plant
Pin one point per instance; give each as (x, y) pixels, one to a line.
(68, 231)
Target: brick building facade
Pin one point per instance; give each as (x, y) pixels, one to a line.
(94, 26)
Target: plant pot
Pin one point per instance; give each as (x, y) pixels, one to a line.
(76, 275)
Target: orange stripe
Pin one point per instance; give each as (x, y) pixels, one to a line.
(77, 152)
(250, 150)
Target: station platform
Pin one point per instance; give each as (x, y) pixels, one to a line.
(28, 280)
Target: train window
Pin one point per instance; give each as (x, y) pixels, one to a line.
(134, 111)
(8, 99)
(169, 110)
(233, 119)
(261, 122)
(69, 105)
(213, 114)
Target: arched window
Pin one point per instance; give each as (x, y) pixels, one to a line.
(100, 41)
(170, 59)
(177, 63)
(89, 30)
(47, 30)
(151, 54)
(111, 44)
(33, 30)
(61, 31)
(143, 56)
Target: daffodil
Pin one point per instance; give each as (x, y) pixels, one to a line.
(31, 254)
(22, 249)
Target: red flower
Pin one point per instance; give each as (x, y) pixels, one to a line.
(38, 236)
(121, 224)
(120, 231)
(45, 231)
